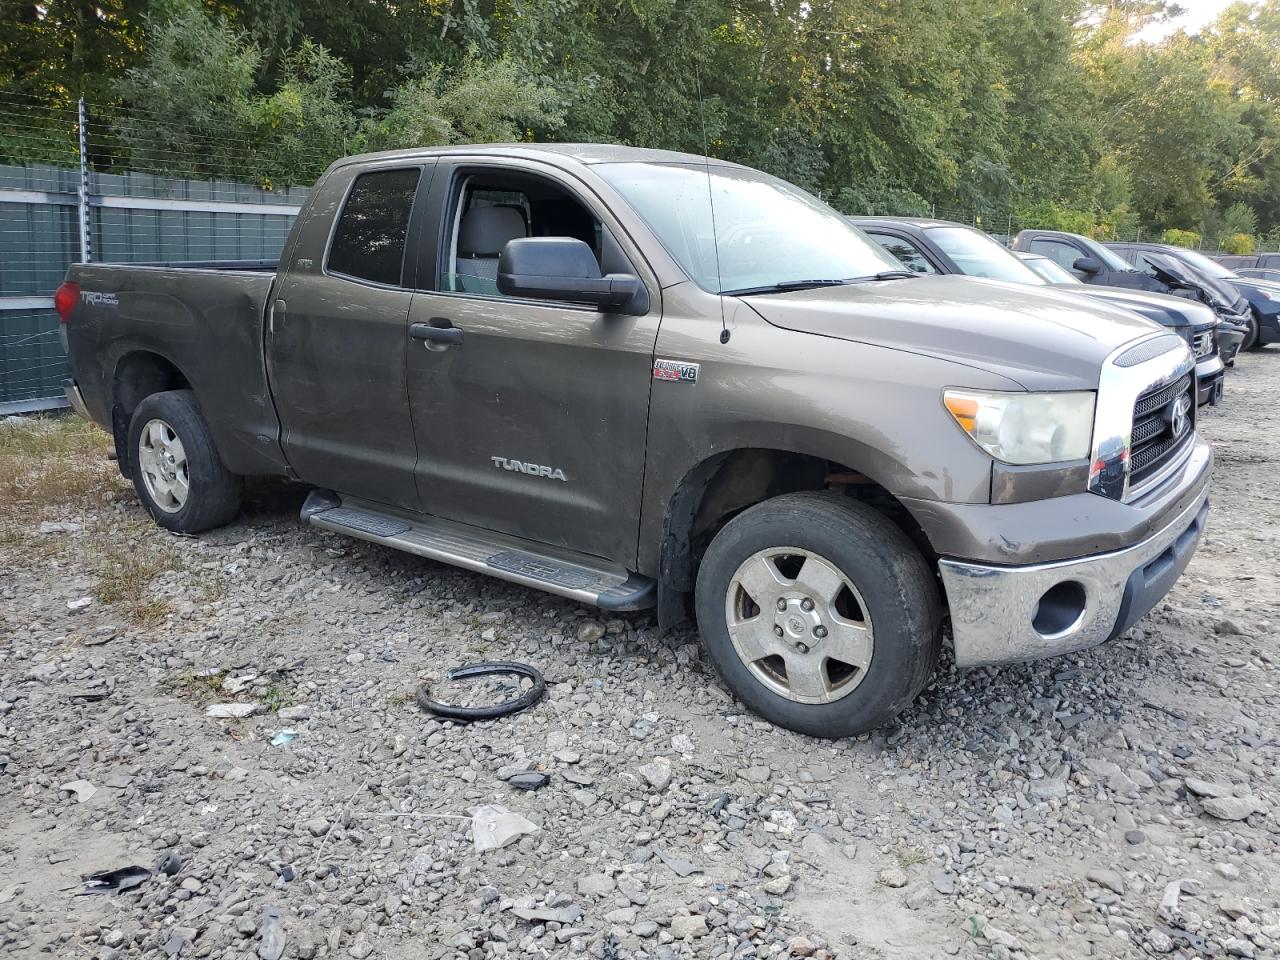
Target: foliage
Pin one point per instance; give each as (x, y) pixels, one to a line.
(1052, 112)
(1237, 243)
(479, 103)
(1181, 238)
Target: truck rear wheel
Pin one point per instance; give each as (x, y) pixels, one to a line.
(819, 614)
(176, 469)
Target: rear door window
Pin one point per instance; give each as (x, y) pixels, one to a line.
(1064, 254)
(369, 239)
(912, 257)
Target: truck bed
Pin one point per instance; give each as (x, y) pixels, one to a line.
(204, 319)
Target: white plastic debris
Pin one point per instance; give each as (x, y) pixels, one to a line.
(83, 789)
(494, 826)
(79, 604)
(236, 684)
(232, 711)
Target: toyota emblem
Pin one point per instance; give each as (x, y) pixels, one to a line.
(1180, 419)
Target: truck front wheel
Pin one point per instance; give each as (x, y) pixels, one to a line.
(176, 469)
(819, 614)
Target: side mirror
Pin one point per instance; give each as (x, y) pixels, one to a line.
(1087, 265)
(561, 268)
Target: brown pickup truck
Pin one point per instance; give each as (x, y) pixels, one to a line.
(639, 378)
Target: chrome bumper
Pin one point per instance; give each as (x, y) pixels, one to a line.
(75, 399)
(1004, 614)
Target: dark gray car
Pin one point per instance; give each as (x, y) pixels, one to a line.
(638, 378)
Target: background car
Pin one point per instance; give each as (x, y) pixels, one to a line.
(939, 246)
(1271, 275)
(1094, 263)
(1242, 262)
(1230, 337)
(1263, 297)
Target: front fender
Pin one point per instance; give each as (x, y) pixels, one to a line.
(869, 408)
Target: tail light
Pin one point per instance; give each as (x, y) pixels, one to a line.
(65, 300)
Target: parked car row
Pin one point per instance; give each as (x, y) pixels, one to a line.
(1246, 304)
(935, 246)
(643, 379)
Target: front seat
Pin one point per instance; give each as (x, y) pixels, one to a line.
(481, 236)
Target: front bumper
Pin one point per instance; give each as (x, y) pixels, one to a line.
(1230, 340)
(1209, 376)
(1004, 614)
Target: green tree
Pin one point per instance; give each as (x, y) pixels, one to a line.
(480, 103)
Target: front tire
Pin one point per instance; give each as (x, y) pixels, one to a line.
(819, 614)
(1252, 340)
(177, 472)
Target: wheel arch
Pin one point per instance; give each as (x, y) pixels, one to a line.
(724, 484)
(137, 375)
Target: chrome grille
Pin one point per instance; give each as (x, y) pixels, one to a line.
(1154, 440)
(1203, 344)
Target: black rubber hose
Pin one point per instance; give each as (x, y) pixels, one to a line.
(468, 714)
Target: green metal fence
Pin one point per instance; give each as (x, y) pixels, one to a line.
(63, 203)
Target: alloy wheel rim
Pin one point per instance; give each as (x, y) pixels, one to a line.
(799, 625)
(163, 462)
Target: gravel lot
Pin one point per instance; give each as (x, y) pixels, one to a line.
(1118, 803)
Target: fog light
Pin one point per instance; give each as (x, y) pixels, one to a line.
(1060, 610)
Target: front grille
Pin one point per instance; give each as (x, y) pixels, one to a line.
(1154, 442)
(1203, 344)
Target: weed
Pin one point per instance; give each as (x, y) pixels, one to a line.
(202, 689)
(126, 569)
(275, 697)
(401, 698)
(910, 856)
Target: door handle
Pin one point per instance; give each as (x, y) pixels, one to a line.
(425, 331)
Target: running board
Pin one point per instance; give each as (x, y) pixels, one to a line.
(556, 571)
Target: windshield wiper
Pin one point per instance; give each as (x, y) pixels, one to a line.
(784, 286)
(888, 275)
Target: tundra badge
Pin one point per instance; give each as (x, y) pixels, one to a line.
(532, 469)
(675, 371)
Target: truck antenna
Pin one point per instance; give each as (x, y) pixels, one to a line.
(711, 201)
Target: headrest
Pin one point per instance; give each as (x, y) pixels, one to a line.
(486, 230)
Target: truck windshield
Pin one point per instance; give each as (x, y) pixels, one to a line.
(769, 233)
(1051, 270)
(977, 255)
(1110, 259)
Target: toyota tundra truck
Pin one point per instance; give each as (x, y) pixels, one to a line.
(645, 379)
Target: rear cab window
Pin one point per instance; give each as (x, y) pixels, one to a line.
(911, 256)
(369, 238)
(1063, 254)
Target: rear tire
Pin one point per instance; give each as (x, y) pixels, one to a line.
(1252, 341)
(177, 472)
(819, 614)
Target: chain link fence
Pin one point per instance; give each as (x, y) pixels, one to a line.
(81, 182)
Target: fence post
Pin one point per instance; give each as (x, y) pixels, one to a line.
(82, 195)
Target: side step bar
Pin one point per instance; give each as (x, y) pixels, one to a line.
(560, 572)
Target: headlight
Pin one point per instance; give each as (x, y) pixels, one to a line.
(1023, 428)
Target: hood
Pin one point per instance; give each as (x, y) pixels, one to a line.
(1263, 293)
(1037, 336)
(1222, 296)
(1167, 310)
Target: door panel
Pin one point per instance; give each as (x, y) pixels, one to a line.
(533, 422)
(337, 348)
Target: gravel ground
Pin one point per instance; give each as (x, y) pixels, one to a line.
(1116, 803)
